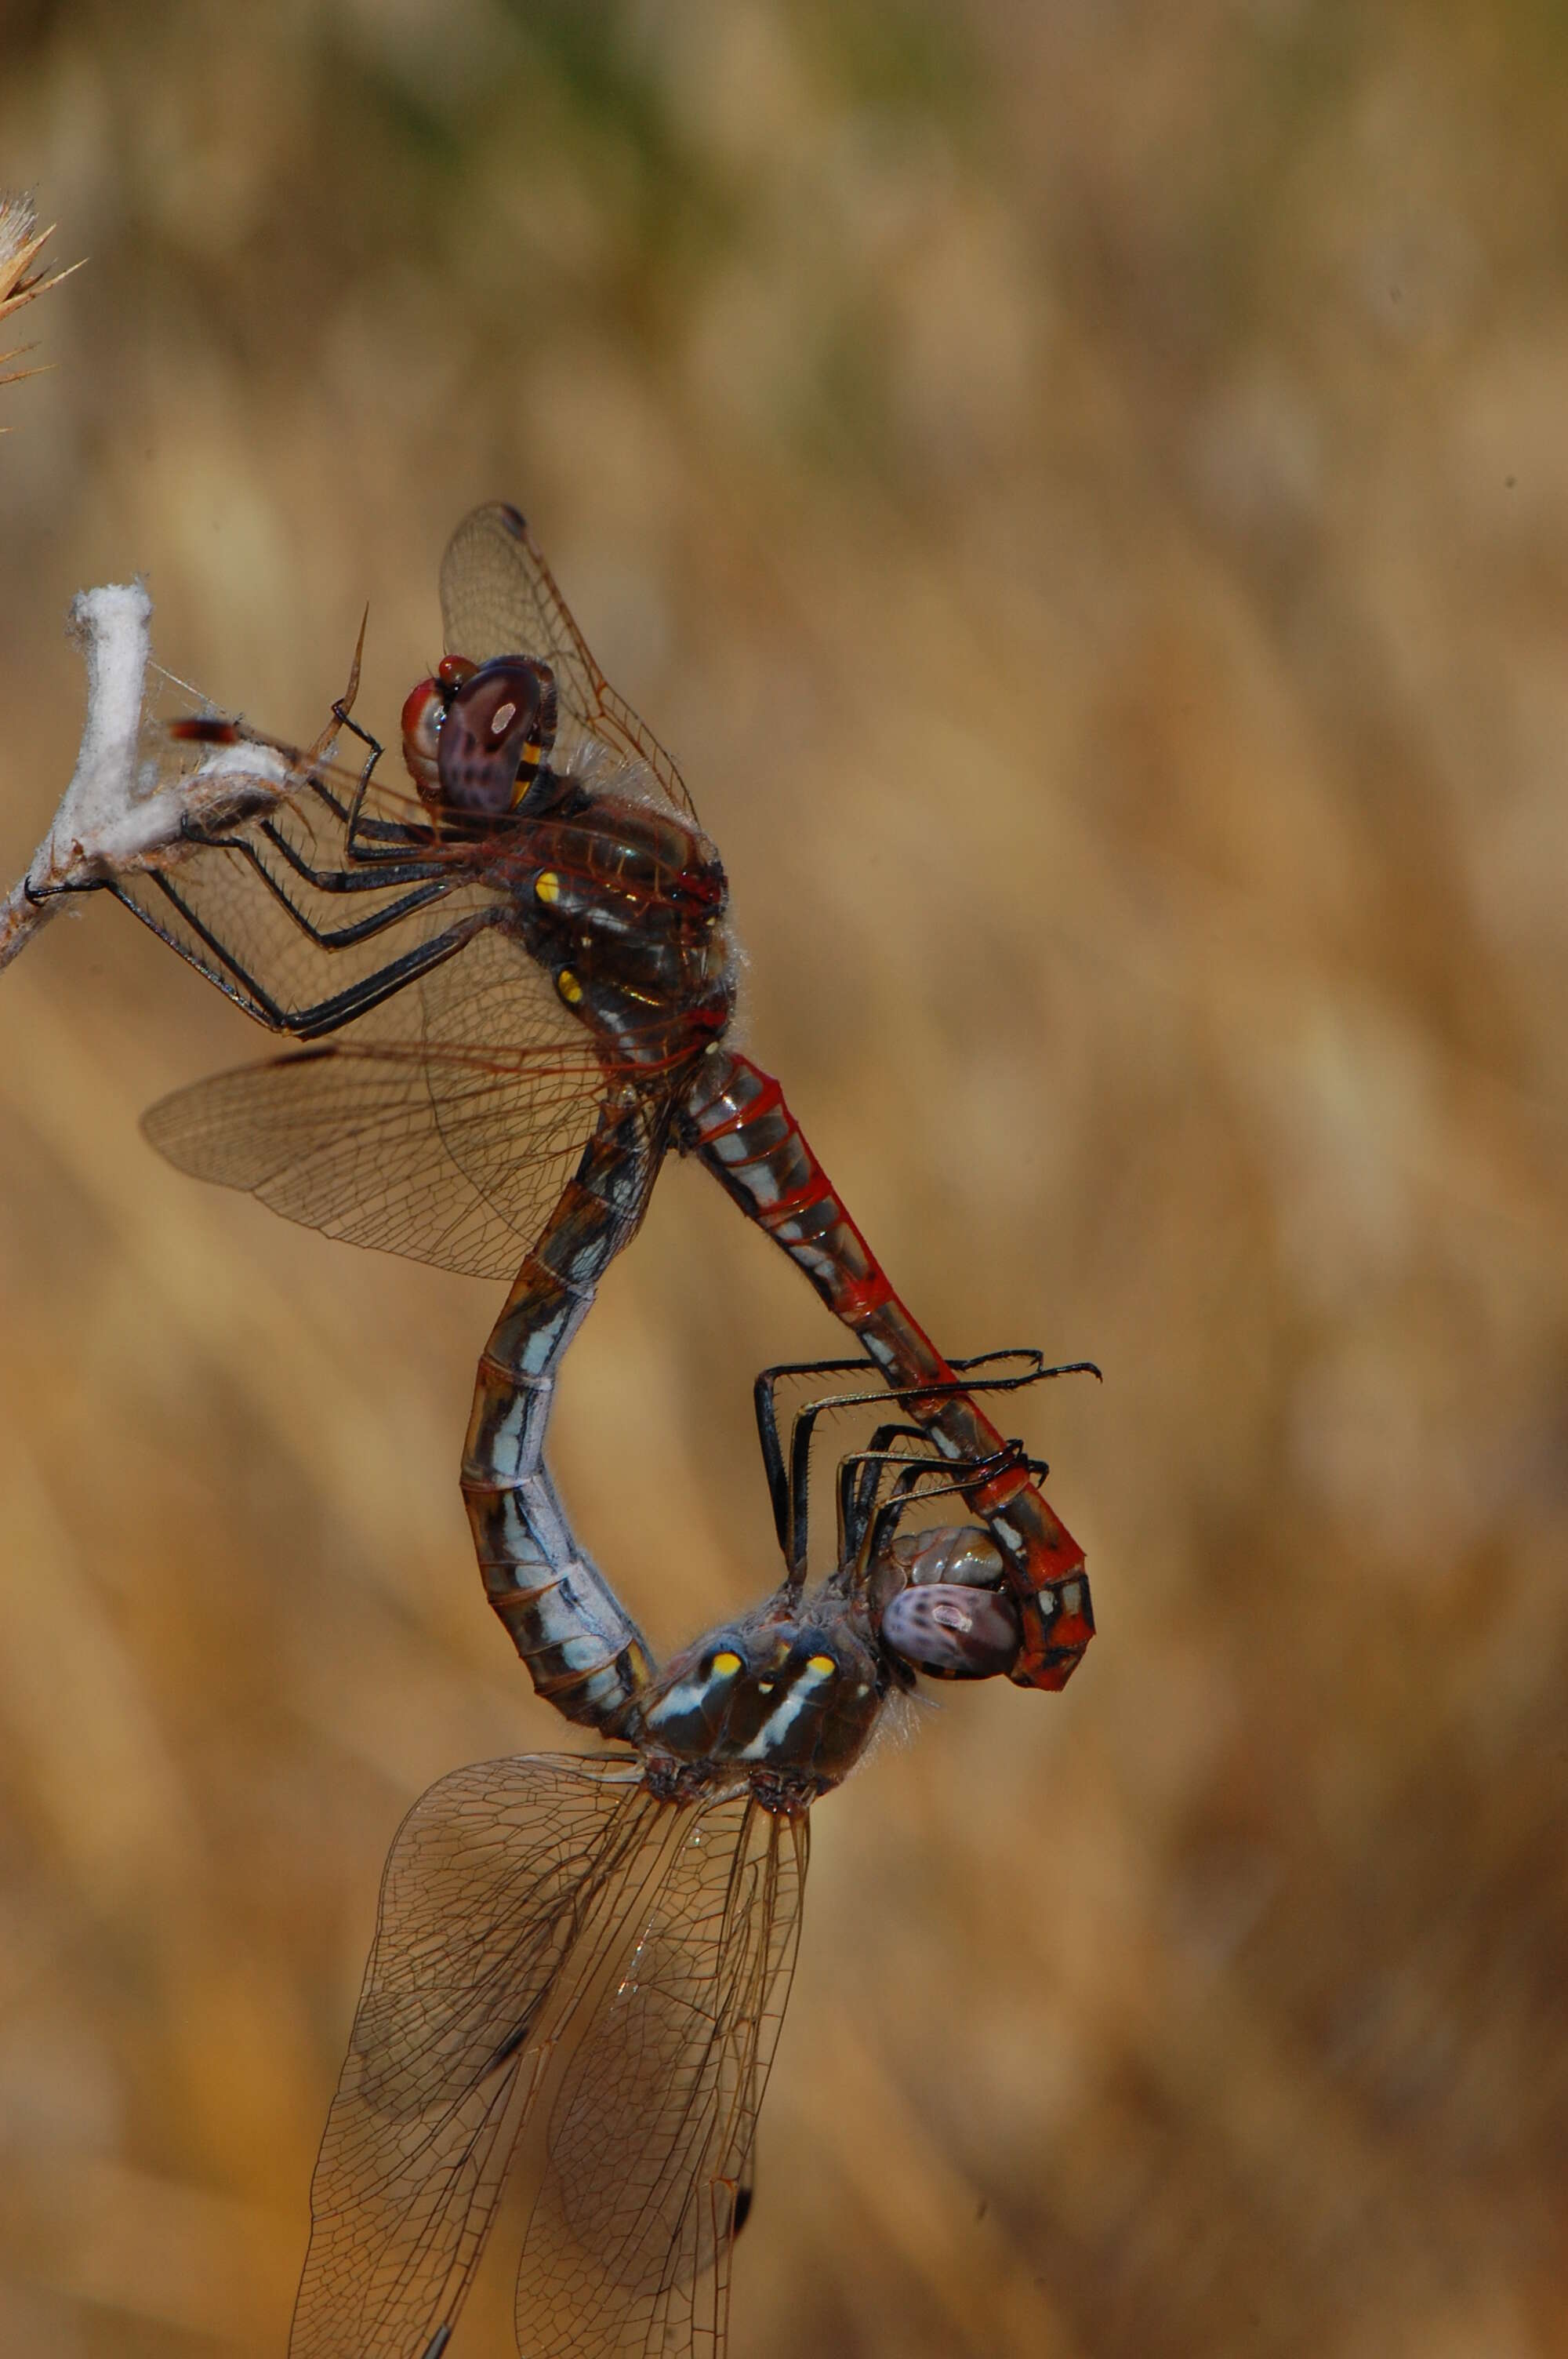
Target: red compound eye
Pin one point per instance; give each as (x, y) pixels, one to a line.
(499, 728)
(423, 713)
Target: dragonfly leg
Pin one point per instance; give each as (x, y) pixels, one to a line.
(321, 1016)
(371, 843)
(858, 1483)
(375, 842)
(429, 882)
(425, 881)
(583, 1652)
(370, 839)
(391, 835)
(736, 1120)
(789, 1491)
(378, 878)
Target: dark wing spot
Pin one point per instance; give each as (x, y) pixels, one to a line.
(509, 2046)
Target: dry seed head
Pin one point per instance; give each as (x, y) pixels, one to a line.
(21, 243)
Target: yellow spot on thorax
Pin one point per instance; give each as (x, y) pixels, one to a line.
(724, 1667)
(547, 885)
(568, 987)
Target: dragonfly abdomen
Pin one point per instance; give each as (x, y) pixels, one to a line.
(738, 1124)
(736, 1120)
(583, 1652)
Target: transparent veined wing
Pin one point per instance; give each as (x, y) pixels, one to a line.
(499, 597)
(516, 1892)
(650, 2140)
(506, 1885)
(448, 1143)
(355, 1142)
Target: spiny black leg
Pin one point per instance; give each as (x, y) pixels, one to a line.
(763, 1394)
(804, 1429)
(345, 719)
(858, 1481)
(395, 833)
(766, 1407)
(383, 878)
(373, 841)
(912, 1482)
(375, 830)
(767, 1383)
(765, 1388)
(435, 884)
(380, 878)
(964, 1474)
(330, 1014)
(324, 1015)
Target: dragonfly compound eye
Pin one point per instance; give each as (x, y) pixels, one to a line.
(952, 1631)
(961, 1553)
(498, 730)
(423, 712)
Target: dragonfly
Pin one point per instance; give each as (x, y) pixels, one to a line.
(606, 1942)
(515, 976)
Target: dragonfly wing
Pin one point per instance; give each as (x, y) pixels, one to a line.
(450, 1146)
(500, 598)
(650, 2138)
(351, 1142)
(493, 1022)
(502, 1888)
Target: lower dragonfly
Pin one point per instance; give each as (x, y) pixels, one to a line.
(611, 1938)
(532, 942)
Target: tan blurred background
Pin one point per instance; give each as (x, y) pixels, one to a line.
(1084, 492)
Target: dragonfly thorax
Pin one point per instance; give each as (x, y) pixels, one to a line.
(775, 1692)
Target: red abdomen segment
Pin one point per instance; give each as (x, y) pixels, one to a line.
(583, 1652)
(737, 1121)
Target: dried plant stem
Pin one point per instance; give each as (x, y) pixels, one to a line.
(119, 813)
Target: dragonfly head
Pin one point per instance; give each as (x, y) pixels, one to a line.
(475, 736)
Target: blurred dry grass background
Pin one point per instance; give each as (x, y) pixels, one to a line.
(1084, 492)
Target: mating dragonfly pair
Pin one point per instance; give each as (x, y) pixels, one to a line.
(518, 982)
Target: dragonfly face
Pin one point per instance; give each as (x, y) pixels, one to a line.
(476, 737)
(951, 1630)
(953, 1618)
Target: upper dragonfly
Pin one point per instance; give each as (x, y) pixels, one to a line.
(531, 944)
